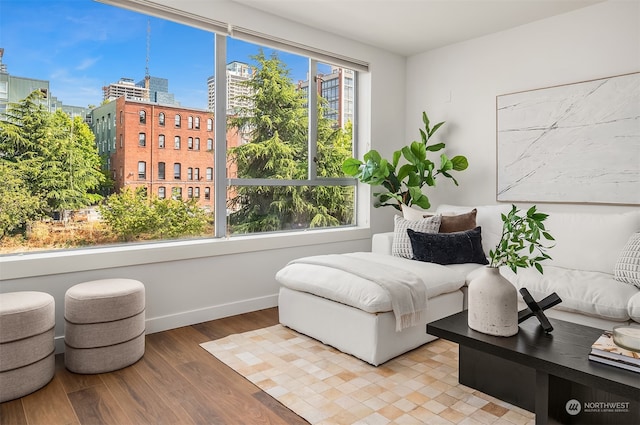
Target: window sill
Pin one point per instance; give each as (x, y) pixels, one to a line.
(77, 260)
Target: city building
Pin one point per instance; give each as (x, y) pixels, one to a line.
(338, 89)
(13, 89)
(125, 87)
(168, 150)
(237, 74)
(158, 90)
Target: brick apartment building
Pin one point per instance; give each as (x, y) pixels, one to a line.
(166, 149)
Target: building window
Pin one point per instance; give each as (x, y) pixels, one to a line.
(207, 193)
(162, 192)
(176, 193)
(196, 192)
(142, 170)
(161, 141)
(176, 142)
(189, 173)
(209, 144)
(190, 143)
(142, 139)
(196, 174)
(189, 122)
(189, 192)
(196, 144)
(161, 119)
(176, 171)
(196, 124)
(177, 121)
(161, 167)
(121, 141)
(209, 173)
(121, 117)
(143, 116)
(209, 124)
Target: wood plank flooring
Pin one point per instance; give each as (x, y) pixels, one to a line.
(176, 382)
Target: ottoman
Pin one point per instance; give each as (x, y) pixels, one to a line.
(104, 325)
(27, 362)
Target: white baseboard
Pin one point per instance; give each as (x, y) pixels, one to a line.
(186, 318)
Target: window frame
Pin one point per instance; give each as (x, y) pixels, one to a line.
(142, 170)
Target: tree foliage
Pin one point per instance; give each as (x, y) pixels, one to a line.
(17, 204)
(131, 215)
(277, 124)
(51, 157)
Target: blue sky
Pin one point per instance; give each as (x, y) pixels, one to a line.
(81, 45)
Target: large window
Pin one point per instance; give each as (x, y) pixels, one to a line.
(276, 135)
(286, 171)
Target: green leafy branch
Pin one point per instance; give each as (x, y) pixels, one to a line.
(520, 245)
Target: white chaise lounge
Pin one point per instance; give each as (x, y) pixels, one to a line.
(357, 317)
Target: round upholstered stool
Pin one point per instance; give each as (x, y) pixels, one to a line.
(27, 362)
(104, 325)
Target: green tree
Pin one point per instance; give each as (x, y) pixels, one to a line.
(131, 215)
(17, 204)
(56, 156)
(175, 218)
(71, 170)
(277, 124)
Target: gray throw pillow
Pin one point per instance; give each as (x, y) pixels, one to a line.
(627, 268)
(401, 246)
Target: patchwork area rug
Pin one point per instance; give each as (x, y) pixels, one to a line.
(325, 386)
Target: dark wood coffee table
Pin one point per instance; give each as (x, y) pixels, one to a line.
(548, 374)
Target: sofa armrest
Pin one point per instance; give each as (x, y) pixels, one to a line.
(381, 243)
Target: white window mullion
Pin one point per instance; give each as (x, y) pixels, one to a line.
(312, 110)
(220, 182)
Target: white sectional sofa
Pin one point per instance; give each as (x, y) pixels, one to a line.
(354, 315)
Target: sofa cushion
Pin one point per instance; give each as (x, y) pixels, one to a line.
(590, 293)
(591, 242)
(401, 246)
(362, 293)
(634, 307)
(448, 223)
(627, 267)
(487, 217)
(448, 248)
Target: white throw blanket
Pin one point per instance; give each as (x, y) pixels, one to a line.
(406, 290)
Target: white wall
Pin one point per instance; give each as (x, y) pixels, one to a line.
(190, 283)
(459, 84)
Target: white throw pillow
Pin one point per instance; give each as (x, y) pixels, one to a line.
(627, 267)
(401, 246)
(413, 214)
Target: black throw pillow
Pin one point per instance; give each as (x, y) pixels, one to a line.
(448, 248)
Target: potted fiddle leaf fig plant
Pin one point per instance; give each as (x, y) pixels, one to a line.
(492, 299)
(403, 183)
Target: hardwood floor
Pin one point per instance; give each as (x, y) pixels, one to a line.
(176, 382)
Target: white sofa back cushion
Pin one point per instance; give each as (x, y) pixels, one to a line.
(590, 242)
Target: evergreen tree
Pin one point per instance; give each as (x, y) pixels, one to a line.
(277, 124)
(54, 156)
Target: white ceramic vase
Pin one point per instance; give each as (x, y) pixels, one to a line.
(492, 304)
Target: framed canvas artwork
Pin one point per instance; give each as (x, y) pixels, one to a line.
(574, 143)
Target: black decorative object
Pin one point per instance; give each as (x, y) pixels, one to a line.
(537, 309)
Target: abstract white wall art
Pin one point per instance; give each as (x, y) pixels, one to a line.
(575, 143)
